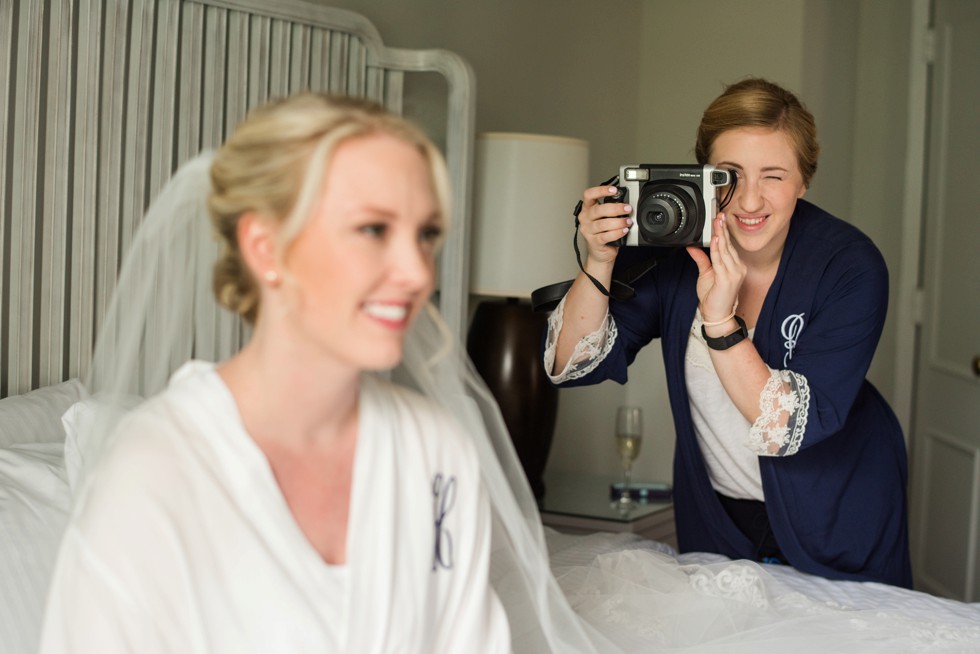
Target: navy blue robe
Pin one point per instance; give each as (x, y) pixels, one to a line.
(838, 506)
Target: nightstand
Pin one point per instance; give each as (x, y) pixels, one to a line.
(578, 503)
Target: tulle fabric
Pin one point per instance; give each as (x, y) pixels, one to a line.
(162, 312)
(633, 599)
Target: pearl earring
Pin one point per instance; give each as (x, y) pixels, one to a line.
(271, 276)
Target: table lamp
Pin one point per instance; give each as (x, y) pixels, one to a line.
(526, 186)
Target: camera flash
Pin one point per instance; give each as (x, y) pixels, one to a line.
(637, 174)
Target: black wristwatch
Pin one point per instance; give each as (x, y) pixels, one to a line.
(725, 342)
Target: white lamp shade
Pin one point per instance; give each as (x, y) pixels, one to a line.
(526, 187)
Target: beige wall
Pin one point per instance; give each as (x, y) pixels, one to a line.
(633, 76)
(547, 66)
(879, 151)
(701, 45)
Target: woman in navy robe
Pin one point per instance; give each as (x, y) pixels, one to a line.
(785, 452)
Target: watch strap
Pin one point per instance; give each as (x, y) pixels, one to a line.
(725, 342)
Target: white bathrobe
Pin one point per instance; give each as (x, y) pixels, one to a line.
(182, 541)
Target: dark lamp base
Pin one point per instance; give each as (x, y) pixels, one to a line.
(504, 343)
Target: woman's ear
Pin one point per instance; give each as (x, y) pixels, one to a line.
(257, 241)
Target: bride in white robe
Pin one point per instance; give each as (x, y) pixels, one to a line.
(286, 499)
(185, 543)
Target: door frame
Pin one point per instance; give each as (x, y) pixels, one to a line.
(910, 291)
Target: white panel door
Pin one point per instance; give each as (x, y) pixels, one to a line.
(946, 472)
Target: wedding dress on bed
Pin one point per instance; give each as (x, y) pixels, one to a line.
(631, 597)
(645, 598)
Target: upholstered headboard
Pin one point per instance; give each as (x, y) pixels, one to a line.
(101, 100)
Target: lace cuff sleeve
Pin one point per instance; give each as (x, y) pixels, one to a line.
(589, 351)
(784, 404)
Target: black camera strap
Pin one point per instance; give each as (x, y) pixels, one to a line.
(547, 298)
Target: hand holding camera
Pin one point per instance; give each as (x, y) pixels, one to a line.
(602, 223)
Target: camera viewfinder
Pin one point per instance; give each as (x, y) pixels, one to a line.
(719, 177)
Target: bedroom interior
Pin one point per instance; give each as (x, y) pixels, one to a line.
(609, 87)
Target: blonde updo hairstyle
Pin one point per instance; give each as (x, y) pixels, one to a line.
(756, 102)
(274, 165)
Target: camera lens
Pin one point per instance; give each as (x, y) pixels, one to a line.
(671, 203)
(660, 215)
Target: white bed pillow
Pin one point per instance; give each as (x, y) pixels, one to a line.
(35, 417)
(80, 422)
(34, 509)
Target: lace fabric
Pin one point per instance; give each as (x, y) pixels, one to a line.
(784, 404)
(589, 351)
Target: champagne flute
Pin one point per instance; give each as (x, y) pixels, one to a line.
(629, 437)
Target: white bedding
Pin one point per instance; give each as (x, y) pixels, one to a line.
(35, 499)
(35, 417)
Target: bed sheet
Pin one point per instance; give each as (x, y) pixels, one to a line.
(34, 506)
